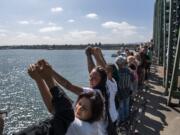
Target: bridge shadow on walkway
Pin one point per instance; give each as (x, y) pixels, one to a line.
(154, 122)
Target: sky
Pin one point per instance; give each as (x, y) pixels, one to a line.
(34, 22)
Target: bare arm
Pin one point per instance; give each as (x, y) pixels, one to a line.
(1, 124)
(43, 88)
(102, 57)
(90, 61)
(45, 93)
(99, 57)
(66, 84)
(63, 109)
(45, 69)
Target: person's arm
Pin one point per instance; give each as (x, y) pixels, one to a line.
(45, 68)
(43, 88)
(90, 61)
(45, 94)
(63, 109)
(67, 84)
(99, 57)
(1, 125)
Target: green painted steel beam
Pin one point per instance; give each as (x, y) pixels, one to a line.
(172, 41)
(175, 94)
(168, 48)
(165, 37)
(173, 87)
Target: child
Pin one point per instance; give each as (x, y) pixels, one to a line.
(111, 86)
(88, 108)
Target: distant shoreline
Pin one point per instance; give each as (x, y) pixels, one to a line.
(71, 47)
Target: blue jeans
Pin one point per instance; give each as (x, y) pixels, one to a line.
(123, 110)
(126, 107)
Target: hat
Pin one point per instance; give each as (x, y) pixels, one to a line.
(120, 59)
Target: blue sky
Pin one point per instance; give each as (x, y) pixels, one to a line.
(75, 21)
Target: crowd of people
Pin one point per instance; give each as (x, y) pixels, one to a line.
(102, 106)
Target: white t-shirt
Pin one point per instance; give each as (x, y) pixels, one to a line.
(79, 127)
(112, 88)
(102, 124)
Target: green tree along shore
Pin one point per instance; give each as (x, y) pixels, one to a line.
(70, 47)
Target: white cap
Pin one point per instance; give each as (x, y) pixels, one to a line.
(120, 59)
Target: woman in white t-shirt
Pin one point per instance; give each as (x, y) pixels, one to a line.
(111, 83)
(111, 87)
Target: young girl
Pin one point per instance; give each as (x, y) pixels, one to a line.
(88, 108)
(110, 89)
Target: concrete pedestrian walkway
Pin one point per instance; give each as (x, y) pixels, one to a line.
(159, 119)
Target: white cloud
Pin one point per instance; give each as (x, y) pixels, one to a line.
(56, 9)
(3, 30)
(74, 37)
(77, 37)
(50, 29)
(122, 27)
(83, 34)
(21, 35)
(46, 37)
(92, 16)
(37, 22)
(121, 32)
(25, 35)
(3, 35)
(23, 22)
(34, 22)
(71, 20)
(51, 24)
(118, 26)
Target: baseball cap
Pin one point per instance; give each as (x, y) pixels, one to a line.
(120, 59)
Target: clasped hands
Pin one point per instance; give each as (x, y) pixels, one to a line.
(40, 70)
(92, 51)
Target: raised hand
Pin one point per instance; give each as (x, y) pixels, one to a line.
(97, 51)
(44, 69)
(88, 50)
(33, 73)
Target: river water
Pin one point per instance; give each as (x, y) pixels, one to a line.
(18, 93)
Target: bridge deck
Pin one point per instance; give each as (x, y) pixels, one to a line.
(159, 119)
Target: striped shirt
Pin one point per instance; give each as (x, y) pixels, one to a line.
(125, 78)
